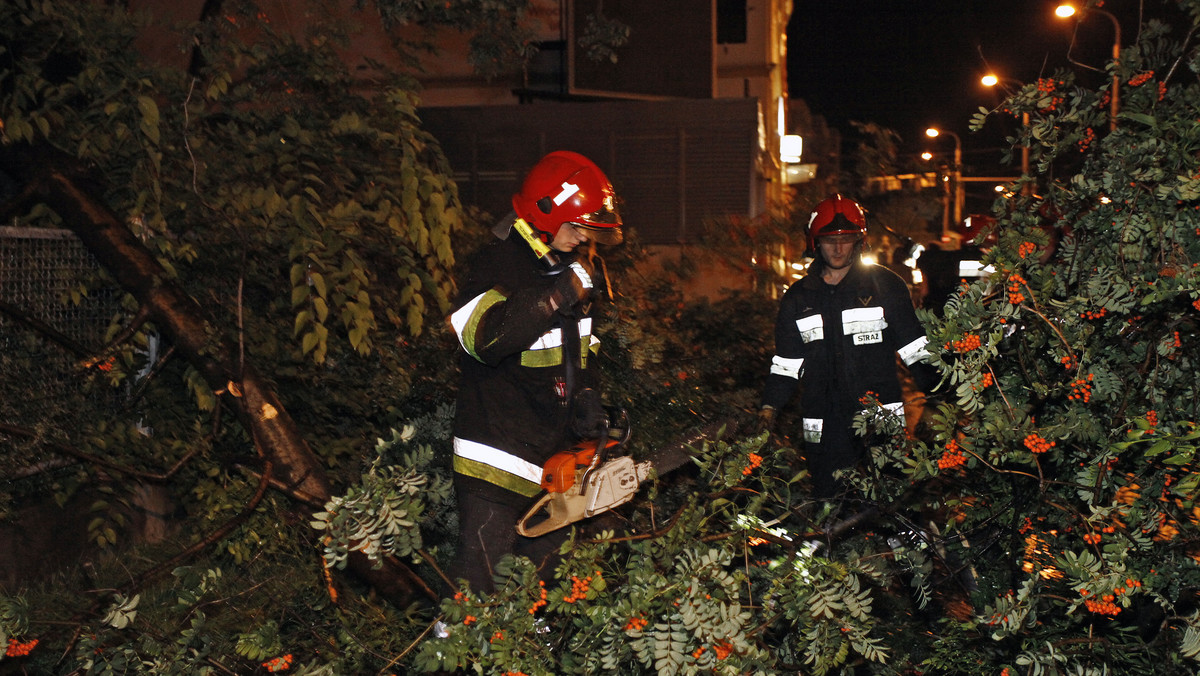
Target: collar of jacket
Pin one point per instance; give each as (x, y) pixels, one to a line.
(813, 280)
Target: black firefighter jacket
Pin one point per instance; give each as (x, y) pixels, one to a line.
(842, 341)
(521, 365)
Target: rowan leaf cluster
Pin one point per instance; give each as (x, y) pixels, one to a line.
(1041, 519)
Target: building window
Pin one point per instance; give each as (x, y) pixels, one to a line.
(731, 22)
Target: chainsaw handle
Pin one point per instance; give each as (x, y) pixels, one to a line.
(560, 509)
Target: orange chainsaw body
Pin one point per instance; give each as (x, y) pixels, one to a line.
(559, 472)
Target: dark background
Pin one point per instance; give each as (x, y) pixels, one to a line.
(910, 65)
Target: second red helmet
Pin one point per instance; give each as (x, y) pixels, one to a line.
(566, 187)
(835, 216)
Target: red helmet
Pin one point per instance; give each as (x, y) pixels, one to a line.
(566, 187)
(835, 216)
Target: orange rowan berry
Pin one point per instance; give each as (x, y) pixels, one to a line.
(18, 649)
(1036, 444)
(722, 650)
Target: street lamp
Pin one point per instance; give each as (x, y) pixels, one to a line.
(956, 172)
(991, 80)
(1065, 11)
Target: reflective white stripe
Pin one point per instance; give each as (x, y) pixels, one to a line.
(548, 340)
(915, 351)
(811, 328)
(460, 318)
(896, 408)
(812, 430)
(863, 320)
(786, 367)
(974, 269)
(554, 337)
(568, 189)
(494, 457)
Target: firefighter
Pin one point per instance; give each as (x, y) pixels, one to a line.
(527, 358)
(838, 333)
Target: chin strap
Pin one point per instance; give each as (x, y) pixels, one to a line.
(543, 251)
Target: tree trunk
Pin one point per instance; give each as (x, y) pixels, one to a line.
(49, 176)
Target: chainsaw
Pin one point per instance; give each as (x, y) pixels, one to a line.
(591, 478)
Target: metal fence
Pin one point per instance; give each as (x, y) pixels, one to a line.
(49, 279)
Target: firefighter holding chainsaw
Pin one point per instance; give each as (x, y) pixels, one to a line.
(528, 372)
(837, 337)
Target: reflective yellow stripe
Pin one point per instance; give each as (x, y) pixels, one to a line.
(547, 349)
(479, 470)
(539, 358)
(497, 467)
(466, 320)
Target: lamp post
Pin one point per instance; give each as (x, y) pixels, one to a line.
(1065, 11)
(991, 80)
(956, 172)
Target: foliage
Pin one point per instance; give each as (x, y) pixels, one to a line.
(385, 513)
(1041, 519)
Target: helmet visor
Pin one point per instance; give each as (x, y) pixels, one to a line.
(604, 234)
(602, 225)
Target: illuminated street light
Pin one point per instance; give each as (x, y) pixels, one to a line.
(1066, 11)
(991, 80)
(956, 171)
(927, 156)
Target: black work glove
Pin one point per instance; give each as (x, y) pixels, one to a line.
(589, 420)
(573, 287)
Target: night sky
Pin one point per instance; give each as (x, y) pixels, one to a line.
(907, 64)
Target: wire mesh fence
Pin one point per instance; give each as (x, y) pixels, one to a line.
(55, 308)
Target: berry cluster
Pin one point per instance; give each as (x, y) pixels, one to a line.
(754, 460)
(1047, 86)
(278, 664)
(1014, 289)
(1081, 388)
(1088, 137)
(19, 649)
(1093, 314)
(1152, 418)
(968, 342)
(1027, 248)
(988, 379)
(579, 588)
(1103, 607)
(636, 623)
(1036, 444)
(722, 650)
(953, 457)
(540, 602)
(1138, 80)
